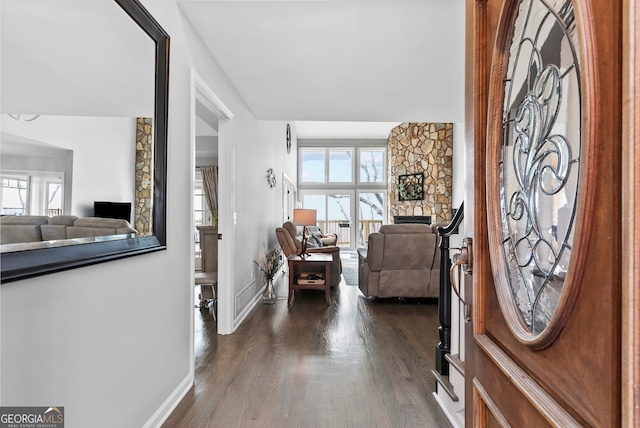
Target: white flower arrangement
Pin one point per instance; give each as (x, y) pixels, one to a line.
(273, 261)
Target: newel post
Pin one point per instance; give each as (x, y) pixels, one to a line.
(444, 302)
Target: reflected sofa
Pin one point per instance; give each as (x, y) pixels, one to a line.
(401, 260)
(290, 241)
(34, 228)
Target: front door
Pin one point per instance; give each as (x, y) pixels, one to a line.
(544, 139)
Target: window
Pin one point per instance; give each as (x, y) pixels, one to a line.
(312, 166)
(341, 166)
(372, 165)
(201, 213)
(347, 185)
(371, 207)
(199, 204)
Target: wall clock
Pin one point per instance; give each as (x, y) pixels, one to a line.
(288, 138)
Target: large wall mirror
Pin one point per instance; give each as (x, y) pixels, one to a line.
(84, 121)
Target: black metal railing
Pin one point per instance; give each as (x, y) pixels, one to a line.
(444, 302)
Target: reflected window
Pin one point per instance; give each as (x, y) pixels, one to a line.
(14, 196)
(32, 194)
(54, 198)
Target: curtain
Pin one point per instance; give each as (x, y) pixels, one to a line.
(210, 186)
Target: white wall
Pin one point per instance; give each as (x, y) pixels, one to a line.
(111, 342)
(259, 145)
(103, 154)
(459, 174)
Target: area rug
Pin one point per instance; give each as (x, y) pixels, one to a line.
(349, 266)
(350, 274)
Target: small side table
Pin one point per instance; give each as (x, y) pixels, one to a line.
(298, 265)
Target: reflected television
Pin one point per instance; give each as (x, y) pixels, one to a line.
(119, 210)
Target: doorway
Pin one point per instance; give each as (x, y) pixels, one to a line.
(212, 145)
(289, 197)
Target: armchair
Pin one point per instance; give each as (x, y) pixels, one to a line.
(290, 244)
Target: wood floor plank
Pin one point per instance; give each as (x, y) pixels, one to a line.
(356, 363)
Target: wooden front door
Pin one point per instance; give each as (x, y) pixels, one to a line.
(544, 154)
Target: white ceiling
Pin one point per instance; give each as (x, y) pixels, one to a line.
(346, 130)
(358, 61)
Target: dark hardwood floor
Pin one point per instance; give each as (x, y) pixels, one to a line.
(356, 363)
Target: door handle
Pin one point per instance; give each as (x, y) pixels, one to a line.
(462, 262)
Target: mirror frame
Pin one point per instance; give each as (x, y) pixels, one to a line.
(30, 263)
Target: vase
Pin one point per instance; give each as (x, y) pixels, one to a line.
(269, 296)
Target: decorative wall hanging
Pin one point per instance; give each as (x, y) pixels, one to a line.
(288, 138)
(271, 178)
(410, 187)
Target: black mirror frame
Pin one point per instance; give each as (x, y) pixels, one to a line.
(30, 263)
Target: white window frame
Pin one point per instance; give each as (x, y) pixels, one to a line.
(37, 201)
(355, 187)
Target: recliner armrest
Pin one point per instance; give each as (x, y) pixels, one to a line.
(326, 250)
(362, 254)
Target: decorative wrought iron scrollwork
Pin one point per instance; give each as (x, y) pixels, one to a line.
(537, 153)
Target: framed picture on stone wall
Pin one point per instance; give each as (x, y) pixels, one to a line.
(410, 187)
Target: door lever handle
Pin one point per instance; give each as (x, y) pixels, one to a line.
(462, 261)
(466, 255)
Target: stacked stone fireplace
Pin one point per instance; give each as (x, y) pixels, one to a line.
(427, 148)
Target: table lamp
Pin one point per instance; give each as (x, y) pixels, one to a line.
(302, 217)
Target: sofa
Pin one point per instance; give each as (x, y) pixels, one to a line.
(401, 260)
(34, 228)
(289, 238)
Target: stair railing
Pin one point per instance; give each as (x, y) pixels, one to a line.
(444, 302)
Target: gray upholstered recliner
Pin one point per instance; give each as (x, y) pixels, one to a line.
(401, 260)
(290, 244)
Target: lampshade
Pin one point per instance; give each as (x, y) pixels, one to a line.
(303, 217)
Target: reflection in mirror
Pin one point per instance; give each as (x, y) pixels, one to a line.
(540, 157)
(83, 121)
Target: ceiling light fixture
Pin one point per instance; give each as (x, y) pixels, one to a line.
(25, 117)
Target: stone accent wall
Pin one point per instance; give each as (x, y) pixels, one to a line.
(422, 147)
(142, 219)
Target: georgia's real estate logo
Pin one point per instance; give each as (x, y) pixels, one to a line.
(32, 417)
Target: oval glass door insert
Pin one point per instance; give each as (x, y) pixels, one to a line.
(538, 163)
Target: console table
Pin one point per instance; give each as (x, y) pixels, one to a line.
(311, 263)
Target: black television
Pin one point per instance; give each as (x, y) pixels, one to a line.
(119, 210)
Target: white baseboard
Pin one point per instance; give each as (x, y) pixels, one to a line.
(453, 418)
(247, 310)
(164, 411)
